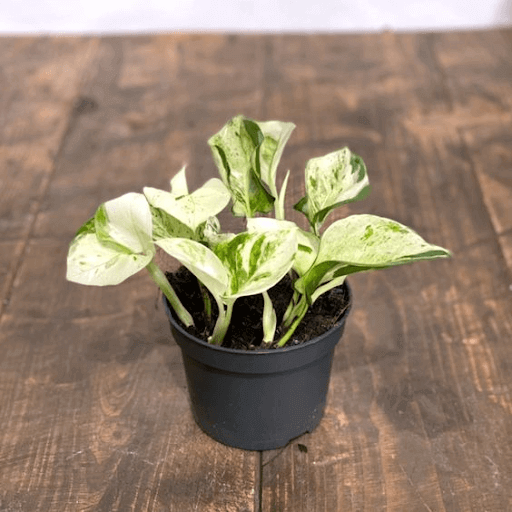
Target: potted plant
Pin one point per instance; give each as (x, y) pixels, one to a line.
(274, 390)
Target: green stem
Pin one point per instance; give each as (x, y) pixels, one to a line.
(296, 311)
(289, 309)
(222, 324)
(159, 277)
(207, 303)
(301, 309)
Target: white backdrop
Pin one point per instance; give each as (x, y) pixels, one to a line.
(115, 16)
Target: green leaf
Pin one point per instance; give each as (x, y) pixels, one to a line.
(92, 263)
(257, 261)
(331, 181)
(193, 209)
(235, 152)
(126, 221)
(311, 280)
(201, 261)
(372, 241)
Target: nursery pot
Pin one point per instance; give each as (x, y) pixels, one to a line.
(258, 400)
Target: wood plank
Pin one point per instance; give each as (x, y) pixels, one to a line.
(40, 79)
(98, 414)
(419, 374)
(92, 391)
(141, 133)
(481, 81)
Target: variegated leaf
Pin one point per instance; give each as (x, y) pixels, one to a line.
(165, 226)
(372, 241)
(235, 152)
(275, 137)
(91, 262)
(126, 221)
(331, 181)
(264, 224)
(307, 251)
(364, 242)
(210, 233)
(257, 261)
(200, 260)
(179, 185)
(193, 209)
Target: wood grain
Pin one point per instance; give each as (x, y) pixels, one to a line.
(419, 376)
(40, 79)
(94, 411)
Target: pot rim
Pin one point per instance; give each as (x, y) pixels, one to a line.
(280, 350)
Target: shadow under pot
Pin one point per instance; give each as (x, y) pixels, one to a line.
(262, 399)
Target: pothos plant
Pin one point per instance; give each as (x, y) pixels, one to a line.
(121, 238)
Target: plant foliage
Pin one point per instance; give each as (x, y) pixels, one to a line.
(122, 237)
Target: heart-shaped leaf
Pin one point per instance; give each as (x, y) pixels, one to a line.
(92, 263)
(194, 209)
(200, 260)
(257, 261)
(372, 241)
(113, 245)
(127, 221)
(275, 137)
(331, 181)
(247, 153)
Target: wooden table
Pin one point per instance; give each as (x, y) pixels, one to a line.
(94, 411)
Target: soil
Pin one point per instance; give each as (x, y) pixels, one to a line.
(246, 328)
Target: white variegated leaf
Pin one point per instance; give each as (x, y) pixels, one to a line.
(257, 261)
(331, 181)
(166, 226)
(275, 137)
(235, 153)
(200, 260)
(92, 263)
(307, 251)
(179, 185)
(127, 221)
(193, 209)
(372, 241)
(211, 233)
(264, 224)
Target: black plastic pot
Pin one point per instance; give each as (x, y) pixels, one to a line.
(258, 400)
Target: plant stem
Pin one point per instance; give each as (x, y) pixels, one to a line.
(290, 308)
(296, 310)
(222, 324)
(207, 303)
(279, 199)
(159, 277)
(300, 311)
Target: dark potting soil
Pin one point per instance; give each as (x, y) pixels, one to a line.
(246, 328)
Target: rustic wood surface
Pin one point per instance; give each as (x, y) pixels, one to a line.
(93, 402)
